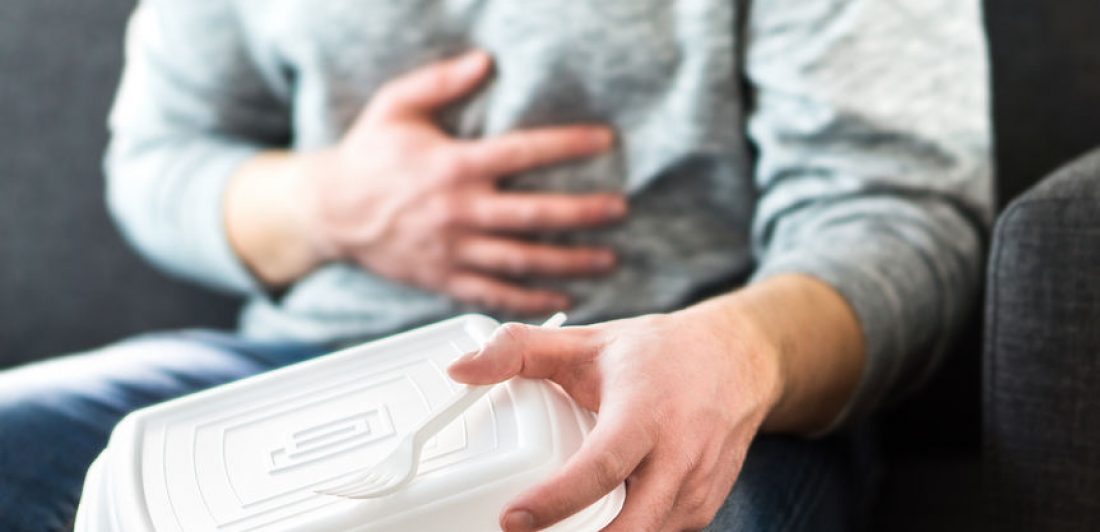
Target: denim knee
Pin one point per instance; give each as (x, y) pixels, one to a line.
(44, 454)
(795, 485)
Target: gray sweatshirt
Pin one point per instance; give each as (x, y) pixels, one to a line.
(848, 140)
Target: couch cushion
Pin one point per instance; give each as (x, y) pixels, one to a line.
(1042, 364)
(67, 281)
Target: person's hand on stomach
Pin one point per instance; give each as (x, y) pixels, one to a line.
(405, 201)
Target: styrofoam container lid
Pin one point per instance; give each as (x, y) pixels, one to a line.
(250, 455)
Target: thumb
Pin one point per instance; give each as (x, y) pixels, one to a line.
(516, 349)
(428, 88)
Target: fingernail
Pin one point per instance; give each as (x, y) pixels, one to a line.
(519, 521)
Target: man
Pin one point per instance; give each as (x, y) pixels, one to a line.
(769, 214)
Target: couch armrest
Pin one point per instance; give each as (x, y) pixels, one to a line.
(1042, 356)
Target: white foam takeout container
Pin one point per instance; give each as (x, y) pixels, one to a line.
(250, 455)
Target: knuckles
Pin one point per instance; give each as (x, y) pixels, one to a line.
(445, 211)
(385, 100)
(694, 499)
(450, 168)
(609, 470)
(438, 79)
(698, 523)
(513, 264)
(511, 335)
(532, 213)
(704, 515)
(453, 284)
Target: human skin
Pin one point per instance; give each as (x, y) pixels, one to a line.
(403, 200)
(680, 396)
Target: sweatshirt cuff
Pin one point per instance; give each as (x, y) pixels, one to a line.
(216, 264)
(876, 301)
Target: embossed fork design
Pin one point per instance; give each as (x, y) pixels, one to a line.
(400, 465)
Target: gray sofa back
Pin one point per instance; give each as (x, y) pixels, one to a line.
(67, 281)
(1046, 81)
(1042, 357)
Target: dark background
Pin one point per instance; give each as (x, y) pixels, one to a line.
(1046, 79)
(67, 281)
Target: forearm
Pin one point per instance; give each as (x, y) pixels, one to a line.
(266, 218)
(876, 185)
(192, 108)
(811, 335)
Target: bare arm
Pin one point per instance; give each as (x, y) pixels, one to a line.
(681, 396)
(266, 220)
(815, 339)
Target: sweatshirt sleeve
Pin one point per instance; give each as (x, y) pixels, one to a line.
(192, 106)
(870, 120)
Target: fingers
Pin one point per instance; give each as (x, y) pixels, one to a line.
(613, 450)
(517, 349)
(518, 258)
(704, 490)
(428, 88)
(694, 509)
(518, 151)
(543, 212)
(482, 290)
(650, 498)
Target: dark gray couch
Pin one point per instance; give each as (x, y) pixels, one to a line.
(1042, 365)
(1041, 385)
(67, 282)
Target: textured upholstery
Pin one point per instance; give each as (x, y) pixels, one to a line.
(67, 281)
(1042, 369)
(1042, 353)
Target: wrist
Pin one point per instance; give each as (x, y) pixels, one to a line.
(802, 340)
(268, 221)
(739, 332)
(306, 174)
(822, 350)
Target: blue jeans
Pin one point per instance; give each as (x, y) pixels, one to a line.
(56, 416)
